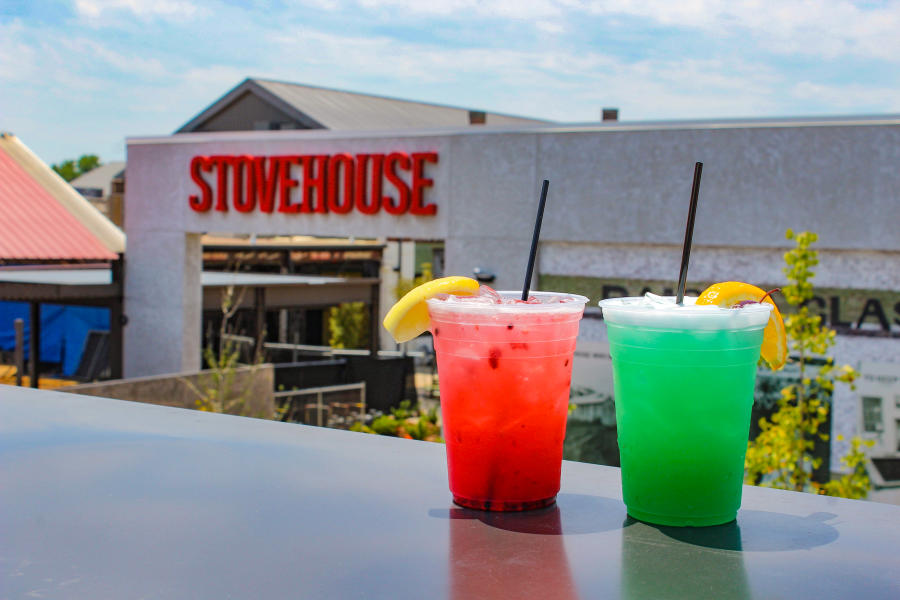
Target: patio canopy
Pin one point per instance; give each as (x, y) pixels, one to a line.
(102, 286)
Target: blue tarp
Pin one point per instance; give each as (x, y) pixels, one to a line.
(63, 330)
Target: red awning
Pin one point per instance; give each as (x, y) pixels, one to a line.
(35, 226)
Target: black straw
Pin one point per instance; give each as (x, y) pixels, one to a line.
(688, 235)
(534, 240)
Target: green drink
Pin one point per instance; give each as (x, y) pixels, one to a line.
(684, 378)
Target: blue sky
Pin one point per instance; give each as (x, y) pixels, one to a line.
(79, 76)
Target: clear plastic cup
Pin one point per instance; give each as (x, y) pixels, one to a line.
(684, 378)
(504, 370)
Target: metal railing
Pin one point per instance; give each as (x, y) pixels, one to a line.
(323, 350)
(329, 351)
(319, 393)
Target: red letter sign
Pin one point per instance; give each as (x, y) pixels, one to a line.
(244, 199)
(311, 183)
(344, 161)
(390, 171)
(417, 206)
(285, 183)
(204, 202)
(338, 183)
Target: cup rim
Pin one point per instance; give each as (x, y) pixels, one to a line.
(635, 311)
(639, 304)
(520, 307)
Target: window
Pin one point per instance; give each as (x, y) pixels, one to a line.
(897, 422)
(90, 192)
(872, 414)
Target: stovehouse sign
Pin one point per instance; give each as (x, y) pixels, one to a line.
(313, 183)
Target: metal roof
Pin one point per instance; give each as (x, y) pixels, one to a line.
(96, 286)
(891, 120)
(323, 108)
(102, 276)
(57, 276)
(43, 217)
(223, 278)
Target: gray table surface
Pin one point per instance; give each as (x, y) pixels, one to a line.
(108, 499)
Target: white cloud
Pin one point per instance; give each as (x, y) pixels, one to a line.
(132, 83)
(103, 59)
(516, 9)
(551, 27)
(17, 56)
(31, 58)
(559, 84)
(173, 9)
(827, 28)
(847, 96)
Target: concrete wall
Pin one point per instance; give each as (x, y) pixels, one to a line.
(622, 189)
(250, 392)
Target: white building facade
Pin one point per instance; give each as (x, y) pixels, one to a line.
(614, 220)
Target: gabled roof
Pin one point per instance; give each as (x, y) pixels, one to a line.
(323, 108)
(43, 217)
(99, 178)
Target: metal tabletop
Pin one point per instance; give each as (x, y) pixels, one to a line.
(109, 499)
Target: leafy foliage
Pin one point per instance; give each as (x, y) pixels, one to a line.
(218, 394)
(219, 391)
(349, 325)
(405, 285)
(88, 162)
(71, 169)
(405, 422)
(781, 455)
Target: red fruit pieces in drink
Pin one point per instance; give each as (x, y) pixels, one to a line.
(494, 358)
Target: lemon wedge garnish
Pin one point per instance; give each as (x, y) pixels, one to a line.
(729, 293)
(409, 317)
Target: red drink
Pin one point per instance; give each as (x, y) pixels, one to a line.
(504, 372)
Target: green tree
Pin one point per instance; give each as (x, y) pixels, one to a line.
(66, 169)
(88, 162)
(70, 169)
(405, 285)
(349, 325)
(781, 456)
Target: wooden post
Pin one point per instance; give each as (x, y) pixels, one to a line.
(34, 343)
(116, 320)
(260, 306)
(19, 326)
(374, 325)
(319, 408)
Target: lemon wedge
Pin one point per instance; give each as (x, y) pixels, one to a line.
(729, 293)
(409, 316)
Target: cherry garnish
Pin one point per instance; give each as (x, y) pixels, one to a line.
(743, 303)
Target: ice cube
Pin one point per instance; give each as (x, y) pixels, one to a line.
(488, 292)
(476, 299)
(656, 299)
